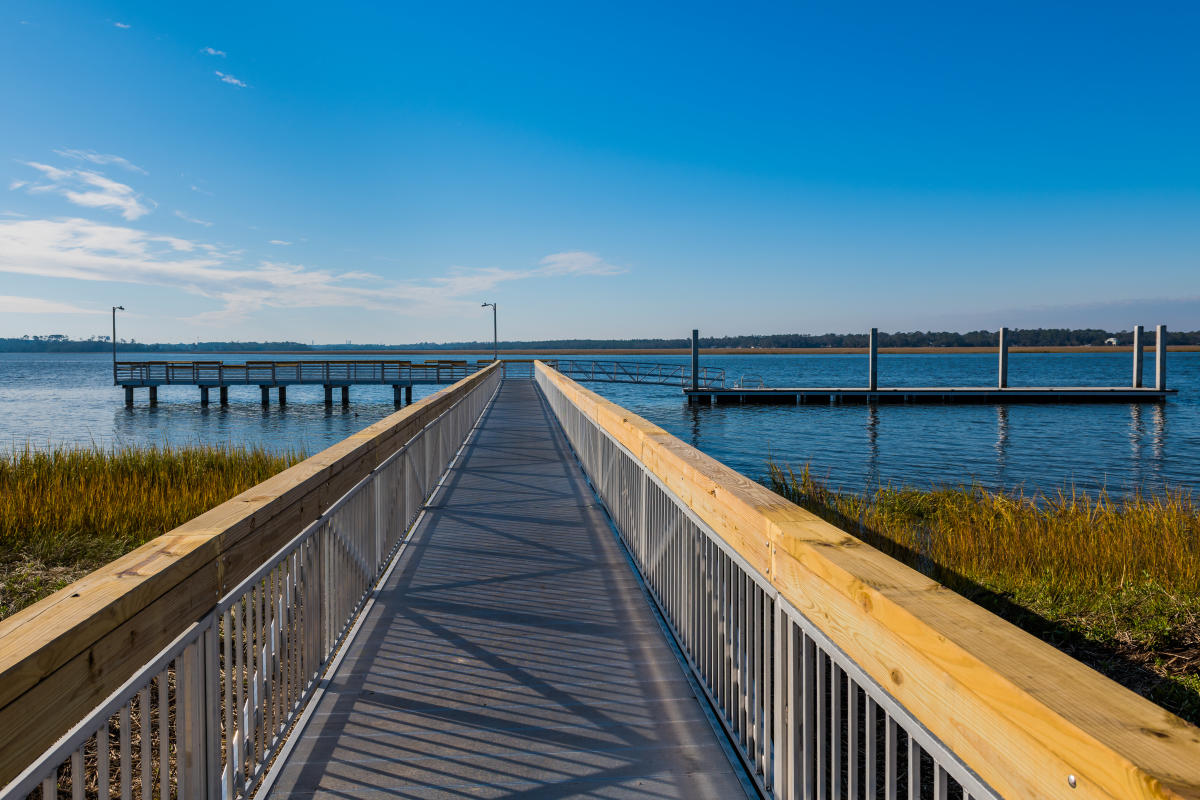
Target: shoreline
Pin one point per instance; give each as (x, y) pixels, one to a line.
(433, 355)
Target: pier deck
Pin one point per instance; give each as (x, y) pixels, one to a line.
(512, 651)
(931, 394)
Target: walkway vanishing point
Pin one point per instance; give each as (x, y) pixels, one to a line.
(443, 605)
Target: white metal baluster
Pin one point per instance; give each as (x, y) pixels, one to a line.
(125, 755)
(145, 753)
(914, 769)
(164, 736)
(872, 739)
(103, 789)
(891, 759)
(230, 734)
(77, 778)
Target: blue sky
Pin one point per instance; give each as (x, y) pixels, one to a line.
(292, 171)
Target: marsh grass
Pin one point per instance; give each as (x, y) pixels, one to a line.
(1114, 582)
(67, 511)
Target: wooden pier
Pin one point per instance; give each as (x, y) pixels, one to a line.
(402, 376)
(515, 588)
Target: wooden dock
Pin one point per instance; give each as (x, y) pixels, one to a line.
(512, 651)
(930, 394)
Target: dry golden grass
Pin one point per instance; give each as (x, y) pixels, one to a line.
(67, 511)
(1114, 582)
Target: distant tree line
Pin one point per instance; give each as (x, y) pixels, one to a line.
(1024, 337)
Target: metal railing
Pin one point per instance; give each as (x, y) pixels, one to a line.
(272, 373)
(806, 720)
(638, 372)
(205, 717)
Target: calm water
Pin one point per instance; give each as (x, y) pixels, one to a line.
(70, 399)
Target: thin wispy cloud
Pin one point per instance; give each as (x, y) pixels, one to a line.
(279, 242)
(227, 78)
(101, 158)
(80, 249)
(196, 188)
(11, 304)
(212, 51)
(86, 188)
(122, 25)
(193, 220)
(577, 262)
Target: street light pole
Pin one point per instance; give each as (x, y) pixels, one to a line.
(495, 339)
(114, 341)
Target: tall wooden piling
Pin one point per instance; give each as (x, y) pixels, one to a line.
(282, 396)
(266, 395)
(129, 397)
(153, 395)
(1003, 375)
(873, 360)
(1160, 357)
(328, 395)
(396, 395)
(203, 395)
(408, 395)
(1137, 356)
(224, 395)
(345, 395)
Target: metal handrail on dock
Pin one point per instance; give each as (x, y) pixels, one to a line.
(203, 716)
(838, 671)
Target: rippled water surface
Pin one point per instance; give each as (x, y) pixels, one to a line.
(70, 399)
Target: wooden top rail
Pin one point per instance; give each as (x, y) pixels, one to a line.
(1020, 713)
(66, 653)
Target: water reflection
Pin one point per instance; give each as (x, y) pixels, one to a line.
(1158, 440)
(1001, 442)
(872, 445)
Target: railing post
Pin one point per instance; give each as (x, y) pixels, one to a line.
(1003, 381)
(695, 359)
(873, 360)
(1160, 358)
(1137, 356)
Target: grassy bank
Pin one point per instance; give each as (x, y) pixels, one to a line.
(64, 512)
(1113, 582)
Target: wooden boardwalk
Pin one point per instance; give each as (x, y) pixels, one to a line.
(512, 651)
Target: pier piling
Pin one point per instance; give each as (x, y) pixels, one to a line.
(345, 395)
(328, 395)
(1003, 378)
(695, 359)
(1137, 356)
(129, 397)
(1160, 357)
(266, 395)
(153, 395)
(396, 395)
(408, 395)
(203, 395)
(873, 360)
(282, 396)
(224, 395)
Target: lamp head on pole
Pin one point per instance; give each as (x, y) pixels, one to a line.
(118, 308)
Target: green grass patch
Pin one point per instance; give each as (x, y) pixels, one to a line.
(1114, 582)
(67, 511)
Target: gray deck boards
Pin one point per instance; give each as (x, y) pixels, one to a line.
(512, 652)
